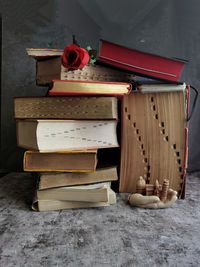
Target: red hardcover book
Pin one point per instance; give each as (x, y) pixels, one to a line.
(78, 87)
(140, 62)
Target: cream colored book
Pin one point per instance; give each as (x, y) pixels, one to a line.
(53, 180)
(49, 205)
(62, 135)
(84, 193)
(43, 52)
(156, 88)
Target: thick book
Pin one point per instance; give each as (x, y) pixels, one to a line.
(44, 52)
(76, 87)
(72, 161)
(48, 205)
(94, 72)
(53, 180)
(75, 107)
(153, 139)
(156, 88)
(81, 193)
(50, 68)
(62, 135)
(140, 62)
(47, 69)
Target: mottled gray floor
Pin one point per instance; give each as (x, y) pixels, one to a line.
(110, 236)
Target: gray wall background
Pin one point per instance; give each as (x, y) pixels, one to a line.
(169, 28)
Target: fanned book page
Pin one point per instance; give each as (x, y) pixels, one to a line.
(61, 135)
(153, 139)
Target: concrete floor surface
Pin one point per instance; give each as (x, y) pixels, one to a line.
(118, 235)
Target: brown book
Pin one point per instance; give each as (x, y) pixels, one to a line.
(50, 68)
(48, 205)
(47, 69)
(62, 135)
(52, 180)
(73, 161)
(153, 139)
(81, 193)
(81, 107)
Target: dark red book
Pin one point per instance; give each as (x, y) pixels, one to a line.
(140, 62)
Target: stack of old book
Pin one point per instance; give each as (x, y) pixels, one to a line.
(64, 130)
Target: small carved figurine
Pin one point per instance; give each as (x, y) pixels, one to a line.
(165, 188)
(157, 189)
(141, 185)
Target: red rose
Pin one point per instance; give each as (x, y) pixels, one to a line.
(75, 57)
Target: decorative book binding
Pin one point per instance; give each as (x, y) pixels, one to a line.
(96, 73)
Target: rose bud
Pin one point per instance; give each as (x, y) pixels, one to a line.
(75, 57)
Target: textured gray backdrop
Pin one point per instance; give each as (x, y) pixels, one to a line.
(170, 28)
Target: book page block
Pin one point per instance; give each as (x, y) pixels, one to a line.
(153, 139)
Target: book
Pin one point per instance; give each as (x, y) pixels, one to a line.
(76, 87)
(62, 135)
(75, 107)
(48, 205)
(81, 193)
(44, 52)
(47, 69)
(52, 180)
(94, 72)
(153, 139)
(153, 88)
(140, 62)
(71, 161)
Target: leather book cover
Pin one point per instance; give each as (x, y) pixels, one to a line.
(140, 62)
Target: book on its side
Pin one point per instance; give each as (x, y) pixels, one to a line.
(62, 135)
(153, 88)
(140, 62)
(44, 52)
(72, 161)
(53, 180)
(48, 205)
(86, 193)
(153, 139)
(47, 69)
(76, 87)
(75, 107)
(95, 72)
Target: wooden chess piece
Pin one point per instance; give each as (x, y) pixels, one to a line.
(149, 189)
(164, 192)
(157, 189)
(141, 186)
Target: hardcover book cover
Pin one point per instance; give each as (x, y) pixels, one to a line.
(140, 62)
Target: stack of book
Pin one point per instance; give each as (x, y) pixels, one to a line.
(62, 133)
(65, 130)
